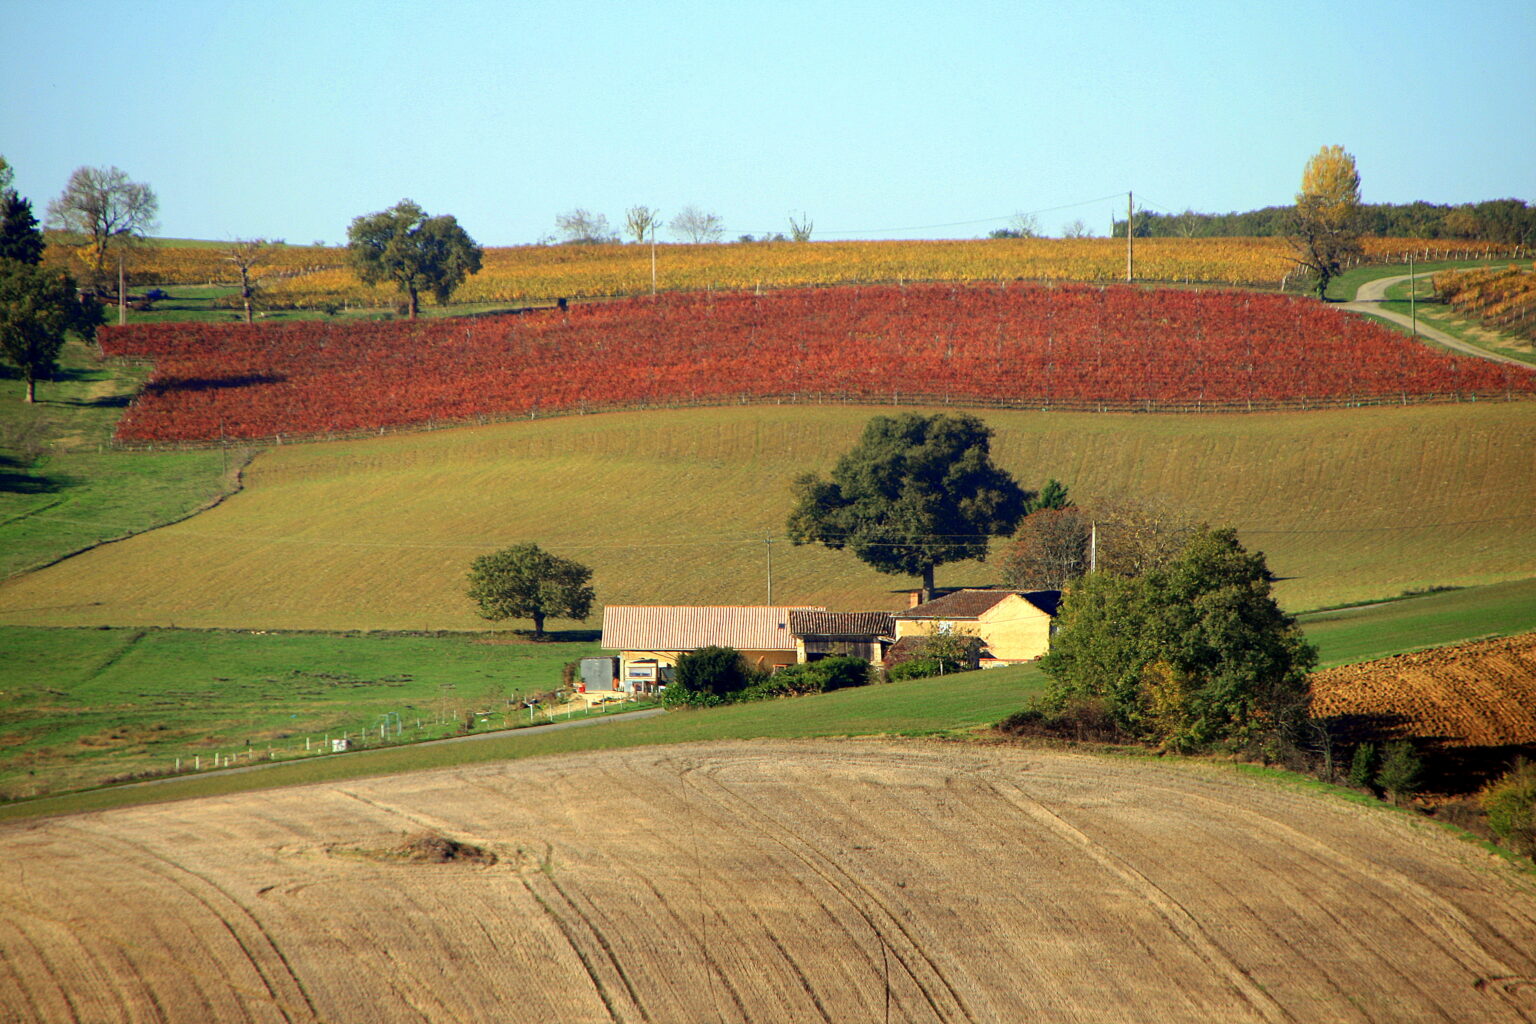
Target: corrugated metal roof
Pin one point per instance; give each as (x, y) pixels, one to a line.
(663, 628)
(819, 623)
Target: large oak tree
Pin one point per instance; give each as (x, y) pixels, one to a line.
(915, 492)
(527, 582)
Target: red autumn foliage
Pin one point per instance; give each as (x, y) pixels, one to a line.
(1014, 345)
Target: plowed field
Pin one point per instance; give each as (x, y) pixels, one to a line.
(1474, 694)
(773, 881)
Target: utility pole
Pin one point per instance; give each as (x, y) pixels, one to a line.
(1093, 548)
(122, 298)
(1130, 210)
(1413, 289)
(769, 542)
(653, 259)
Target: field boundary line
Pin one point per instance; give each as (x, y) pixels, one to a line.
(896, 399)
(238, 485)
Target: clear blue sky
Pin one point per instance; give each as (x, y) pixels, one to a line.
(879, 120)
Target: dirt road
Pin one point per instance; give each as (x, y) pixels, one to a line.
(1368, 300)
(854, 880)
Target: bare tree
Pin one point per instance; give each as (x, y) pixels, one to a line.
(111, 212)
(1049, 550)
(1020, 225)
(800, 230)
(1076, 229)
(642, 222)
(695, 225)
(579, 226)
(247, 254)
(1137, 536)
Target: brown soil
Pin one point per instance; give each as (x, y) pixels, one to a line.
(769, 881)
(1478, 694)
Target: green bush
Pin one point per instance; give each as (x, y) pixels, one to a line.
(1510, 802)
(711, 676)
(923, 668)
(1362, 767)
(840, 673)
(1400, 770)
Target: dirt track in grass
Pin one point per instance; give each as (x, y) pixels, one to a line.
(769, 881)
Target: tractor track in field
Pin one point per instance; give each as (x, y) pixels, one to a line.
(754, 881)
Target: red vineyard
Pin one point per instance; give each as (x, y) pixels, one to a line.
(1014, 345)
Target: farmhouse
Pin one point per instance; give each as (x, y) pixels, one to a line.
(650, 639)
(1013, 626)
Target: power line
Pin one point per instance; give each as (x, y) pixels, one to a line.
(968, 223)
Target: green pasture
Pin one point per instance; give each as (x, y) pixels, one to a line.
(1364, 632)
(62, 488)
(81, 706)
(915, 707)
(220, 303)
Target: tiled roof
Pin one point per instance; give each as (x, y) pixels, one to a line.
(660, 628)
(962, 604)
(810, 622)
(971, 604)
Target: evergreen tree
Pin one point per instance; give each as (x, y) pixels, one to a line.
(20, 238)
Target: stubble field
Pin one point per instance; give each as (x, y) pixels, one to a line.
(768, 881)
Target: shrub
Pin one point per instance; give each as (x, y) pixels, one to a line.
(1090, 719)
(1510, 802)
(840, 673)
(919, 668)
(1362, 766)
(1400, 770)
(712, 670)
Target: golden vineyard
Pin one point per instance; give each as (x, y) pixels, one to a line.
(313, 276)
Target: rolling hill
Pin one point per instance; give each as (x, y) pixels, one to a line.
(675, 507)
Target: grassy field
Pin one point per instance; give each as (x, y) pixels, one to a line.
(915, 707)
(210, 303)
(1364, 632)
(81, 706)
(675, 508)
(62, 489)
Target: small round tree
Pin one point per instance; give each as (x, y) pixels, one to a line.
(526, 582)
(416, 252)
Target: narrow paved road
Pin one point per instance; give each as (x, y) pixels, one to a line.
(1373, 293)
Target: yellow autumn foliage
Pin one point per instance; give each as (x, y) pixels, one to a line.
(303, 276)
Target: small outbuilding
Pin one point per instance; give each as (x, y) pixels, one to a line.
(821, 634)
